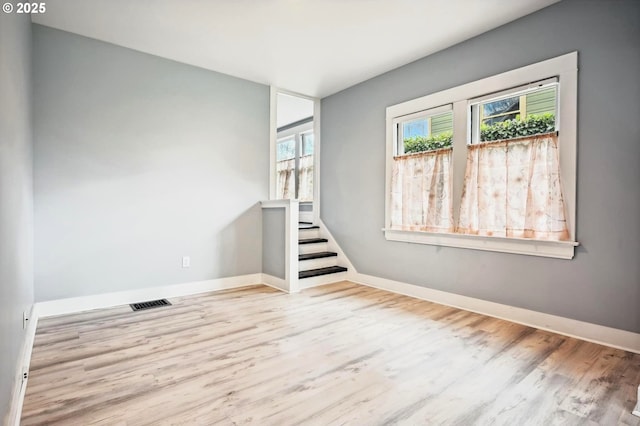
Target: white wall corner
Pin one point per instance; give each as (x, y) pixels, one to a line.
(12, 417)
(613, 337)
(636, 410)
(275, 282)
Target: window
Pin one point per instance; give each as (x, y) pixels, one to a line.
(305, 167)
(425, 131)
(294, 163)
(488, 165)
(421, 175)
(286, 167)
(516, 106)
(307, 143)
(518, 112)
(286, 148)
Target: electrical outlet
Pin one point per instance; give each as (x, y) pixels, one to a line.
(186, 261)
(25, 320)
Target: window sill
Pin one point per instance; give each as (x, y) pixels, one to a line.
(556, 249)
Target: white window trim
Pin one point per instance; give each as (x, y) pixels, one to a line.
(564, 67)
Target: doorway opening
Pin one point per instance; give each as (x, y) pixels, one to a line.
(294, 169)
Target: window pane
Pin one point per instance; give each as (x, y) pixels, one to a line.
(501, 106)
(427, 134)
(542, 102)
(307, 144)
(415, 128)
(442, 123)
(531, 112)
(286, 149)
(305, 178)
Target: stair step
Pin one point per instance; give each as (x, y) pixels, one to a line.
(317, 255)
(305, 223)
(321, 271)
(308, 227)
(312, 241)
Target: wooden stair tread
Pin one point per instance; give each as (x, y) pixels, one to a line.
(321, 271)
(312, 240)
(318, 255)
(301, 227)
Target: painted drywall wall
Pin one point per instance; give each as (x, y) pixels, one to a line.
(16, 195)
(140, 161)
(602, 283)
(274, 242)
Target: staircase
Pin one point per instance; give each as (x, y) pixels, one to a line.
(316, 264)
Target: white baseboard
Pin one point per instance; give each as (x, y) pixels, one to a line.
(107, 300)
(22, 365)
(275, 282)
(595, 333)
(636, 410)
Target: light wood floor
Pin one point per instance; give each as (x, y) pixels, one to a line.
(337, 354)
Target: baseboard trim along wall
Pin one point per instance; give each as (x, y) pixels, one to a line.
(613, 337)
(107, 300)
(595, 333)
(275, 282)
(608, 336)
(22, 367)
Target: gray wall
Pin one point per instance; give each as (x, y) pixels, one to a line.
(16, 194)
(139, 161)
(274, 242)
(602, 283)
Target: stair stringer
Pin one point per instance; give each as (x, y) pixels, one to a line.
(332, 245)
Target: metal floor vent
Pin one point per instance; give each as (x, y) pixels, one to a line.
(150, 304)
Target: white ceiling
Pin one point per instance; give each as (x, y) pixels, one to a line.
(312, 47)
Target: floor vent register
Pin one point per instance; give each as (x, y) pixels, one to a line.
(150, 304)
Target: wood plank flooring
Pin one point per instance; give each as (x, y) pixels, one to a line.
(341, 354)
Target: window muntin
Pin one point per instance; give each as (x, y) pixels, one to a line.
(564, 71)
(500, 110)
